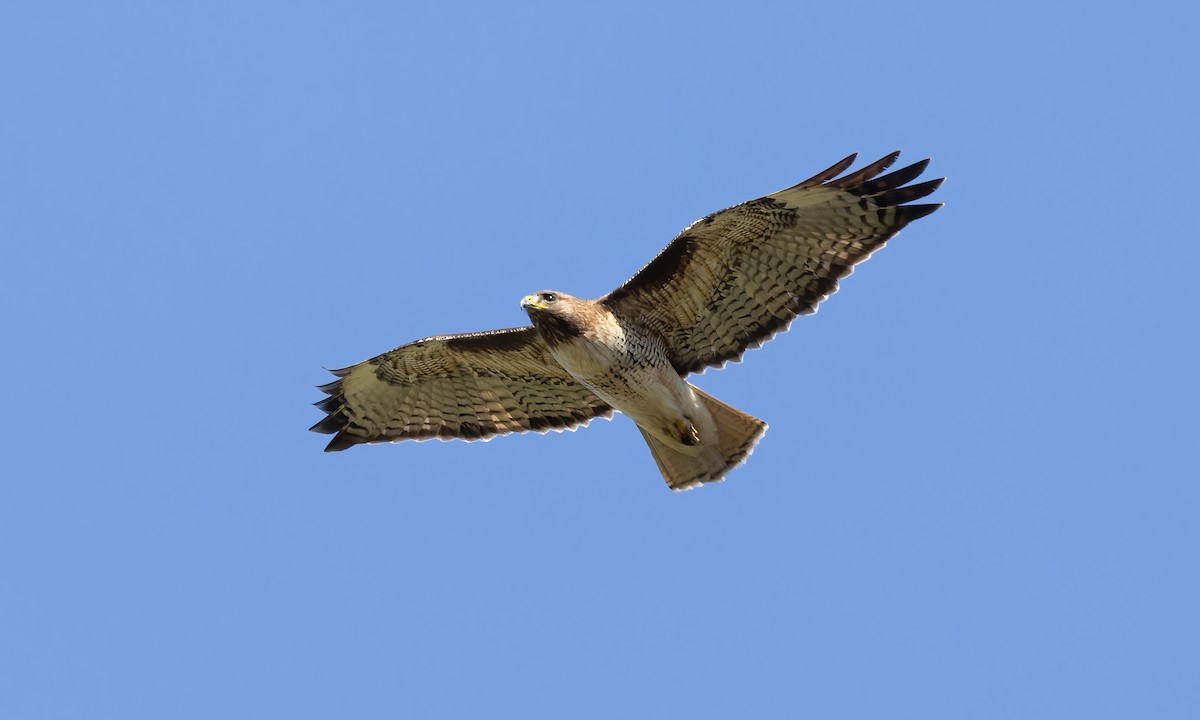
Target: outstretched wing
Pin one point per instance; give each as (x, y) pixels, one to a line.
(470, 386)
(731, 280)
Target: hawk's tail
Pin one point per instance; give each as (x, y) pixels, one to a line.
(737, 434)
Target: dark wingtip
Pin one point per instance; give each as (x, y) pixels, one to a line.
(830, 172)
(334, 406)
(330, 424)
(331, 388)
(331, 404)
(340, 442)
(887, 182)
(337, 418)
(867, 172)
(905, 194)
(907, 213)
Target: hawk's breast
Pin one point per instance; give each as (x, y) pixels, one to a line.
(624, 365)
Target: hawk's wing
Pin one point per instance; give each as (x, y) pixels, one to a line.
(470, 386)
(732, 280)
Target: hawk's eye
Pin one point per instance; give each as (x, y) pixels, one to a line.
(549, 297)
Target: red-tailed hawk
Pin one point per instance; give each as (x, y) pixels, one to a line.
(727, 283)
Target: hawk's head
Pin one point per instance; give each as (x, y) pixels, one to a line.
(544, 301)
(557, 316)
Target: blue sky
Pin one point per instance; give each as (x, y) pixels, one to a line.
(978, 496)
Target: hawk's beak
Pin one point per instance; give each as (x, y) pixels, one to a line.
(532, 301)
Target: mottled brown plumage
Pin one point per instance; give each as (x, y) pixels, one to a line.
(737, 277)
(470, 386)
(728, 282)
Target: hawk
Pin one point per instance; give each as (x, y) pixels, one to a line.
(728, 282)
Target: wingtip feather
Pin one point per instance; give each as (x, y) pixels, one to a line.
(908, 213)
(331, 388)
(830, 172)
(867, 172)
(340, 442)
(331, 404)
(330, 424)
(905, 194)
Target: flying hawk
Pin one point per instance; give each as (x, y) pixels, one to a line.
(727, 283)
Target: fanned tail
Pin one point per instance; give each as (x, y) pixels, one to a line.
(737, 434)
